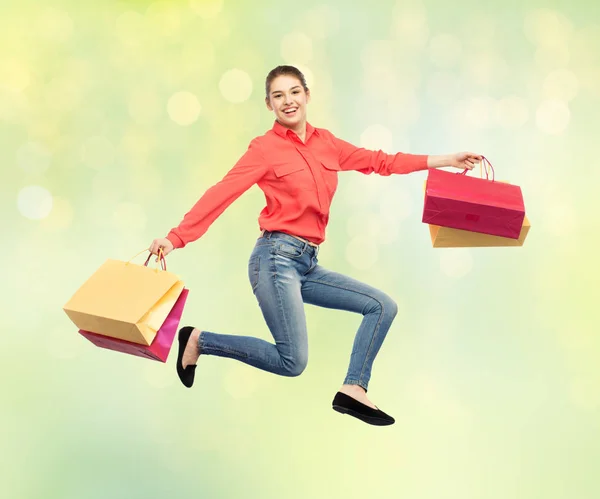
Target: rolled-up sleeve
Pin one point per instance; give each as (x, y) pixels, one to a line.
(249, 169)
(367, 161)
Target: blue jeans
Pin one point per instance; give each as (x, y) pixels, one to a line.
(284, 274)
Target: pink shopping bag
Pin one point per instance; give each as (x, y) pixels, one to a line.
(473, 204)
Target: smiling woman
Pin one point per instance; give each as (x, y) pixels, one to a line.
(296, 166)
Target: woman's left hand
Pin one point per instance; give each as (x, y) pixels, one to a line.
(464, 160)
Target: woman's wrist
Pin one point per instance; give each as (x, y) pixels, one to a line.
(439, 161)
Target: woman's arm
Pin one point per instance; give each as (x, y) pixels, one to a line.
(460, 160)
(249, 169)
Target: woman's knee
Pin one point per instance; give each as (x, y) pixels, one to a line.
(383, 304)
(296, 365)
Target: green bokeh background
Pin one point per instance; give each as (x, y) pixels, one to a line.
(491, 367)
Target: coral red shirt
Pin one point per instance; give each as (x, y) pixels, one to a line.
(298, 180)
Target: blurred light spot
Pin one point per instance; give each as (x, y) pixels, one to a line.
(409, 24)
(183, 108)
(235, 86)
(97, 152)
(456, 262)
(129, 217)
(239, 383)
(33, 157)
(53, 25)
(144, 106)
(206, 9)
(377, 137)
(61, 216)
(361, 253)
(547, 28)
(553, 117)
(14, 74)
(511, 112)
(34, 202)
(296, 48)
(560, 84)
(377, 53)
(445, 50)
(321, 21)
(164, 18)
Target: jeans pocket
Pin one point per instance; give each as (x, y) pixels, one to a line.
(288, 250)
(254, 271)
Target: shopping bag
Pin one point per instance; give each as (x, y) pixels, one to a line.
(474, 204)
(160, 347)
(126, 301)
(446, 237)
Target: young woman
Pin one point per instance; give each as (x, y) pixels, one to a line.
(296, 165)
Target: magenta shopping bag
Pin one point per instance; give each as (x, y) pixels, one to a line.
(474, 204)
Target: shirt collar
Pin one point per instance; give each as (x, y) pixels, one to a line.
(282, 131)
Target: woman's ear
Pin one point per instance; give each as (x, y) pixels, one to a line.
(308, 96)
(268, 104)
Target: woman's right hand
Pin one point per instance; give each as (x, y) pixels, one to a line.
(164, 243)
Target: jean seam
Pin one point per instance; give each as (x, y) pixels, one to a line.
(207, 350)
(350, 381)
(284, 314)
(376, 330)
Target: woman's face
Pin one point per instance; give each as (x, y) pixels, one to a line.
(287, 99)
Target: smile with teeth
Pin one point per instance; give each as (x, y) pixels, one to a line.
(290, 111)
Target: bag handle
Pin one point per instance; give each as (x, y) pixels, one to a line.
(163, 262)
(483, 163)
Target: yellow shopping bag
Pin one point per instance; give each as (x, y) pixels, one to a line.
(446, 237)
(124, 300)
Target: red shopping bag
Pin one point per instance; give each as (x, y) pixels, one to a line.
(161, 345)
(474, 204)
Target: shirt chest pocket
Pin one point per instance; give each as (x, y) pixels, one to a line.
(294, 178)
(287, 169)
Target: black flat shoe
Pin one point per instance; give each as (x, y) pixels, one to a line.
(185, 375)
(347, 405)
